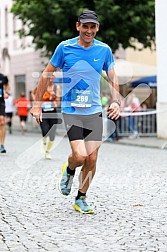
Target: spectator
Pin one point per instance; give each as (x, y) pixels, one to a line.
(132, 104)
(144, 106)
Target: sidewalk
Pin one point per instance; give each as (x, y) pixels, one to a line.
(151, 142)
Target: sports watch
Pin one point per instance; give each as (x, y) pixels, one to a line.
(117, 101)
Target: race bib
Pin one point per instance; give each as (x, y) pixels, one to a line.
(81, 98)
(48, 106)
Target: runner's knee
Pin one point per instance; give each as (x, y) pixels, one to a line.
(91, 159)
(79, 159)
(2, 121)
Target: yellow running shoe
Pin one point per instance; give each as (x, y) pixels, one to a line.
(82, 206)
(47, 155)
(65, 181)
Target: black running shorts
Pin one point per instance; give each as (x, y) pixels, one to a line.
(87, 127)
(2, 108)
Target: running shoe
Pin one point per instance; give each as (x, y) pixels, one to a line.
(82, 206)
(2, 149)
(65, 181)
(47, 155)
(134, 135)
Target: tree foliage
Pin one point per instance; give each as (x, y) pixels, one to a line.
(121, 22)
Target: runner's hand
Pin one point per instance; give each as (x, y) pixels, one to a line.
(113, 111)
(36, 112)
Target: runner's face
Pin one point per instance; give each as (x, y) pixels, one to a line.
(87, 31)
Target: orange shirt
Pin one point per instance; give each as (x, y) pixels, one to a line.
(22, 105)
(48, 96)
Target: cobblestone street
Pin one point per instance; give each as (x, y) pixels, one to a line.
(129, 193)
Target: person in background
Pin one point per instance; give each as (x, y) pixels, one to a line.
(144, 106)
(9, 109)
(144, 124)
(50, 103)
(22, 104)
(4, 88)
(132, 104)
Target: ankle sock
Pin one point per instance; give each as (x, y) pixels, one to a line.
(49, 145)
(80, 194)
(44, 140)
(69, 171)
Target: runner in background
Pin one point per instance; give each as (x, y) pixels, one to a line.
(9, 109)
(4, 88)
(22, 104)
(50, 103)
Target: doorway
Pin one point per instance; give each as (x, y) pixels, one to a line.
(20, 85)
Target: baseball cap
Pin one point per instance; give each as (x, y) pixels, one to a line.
(88, 16)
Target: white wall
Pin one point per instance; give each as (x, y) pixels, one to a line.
(161, 41)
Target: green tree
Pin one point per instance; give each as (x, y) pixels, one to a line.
(121, 22)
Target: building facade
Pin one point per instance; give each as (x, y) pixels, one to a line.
(18, 58)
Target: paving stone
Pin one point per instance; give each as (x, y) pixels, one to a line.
(128, 192)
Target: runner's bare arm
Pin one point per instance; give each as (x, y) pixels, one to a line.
(46, 77)
(6, 90)
(33, 93)
(114, 108)
(113, 83)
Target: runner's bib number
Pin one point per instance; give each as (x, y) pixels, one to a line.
(81, 98)
(48, 106)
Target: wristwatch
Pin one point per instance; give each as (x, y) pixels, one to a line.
(117, 101)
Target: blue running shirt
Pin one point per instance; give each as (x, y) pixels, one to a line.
(82, 69)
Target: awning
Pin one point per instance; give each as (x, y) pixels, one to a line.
(151, 81)
(128, 71)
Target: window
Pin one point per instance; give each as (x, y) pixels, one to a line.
(20, 85)
(6, 22)
(14, 24)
